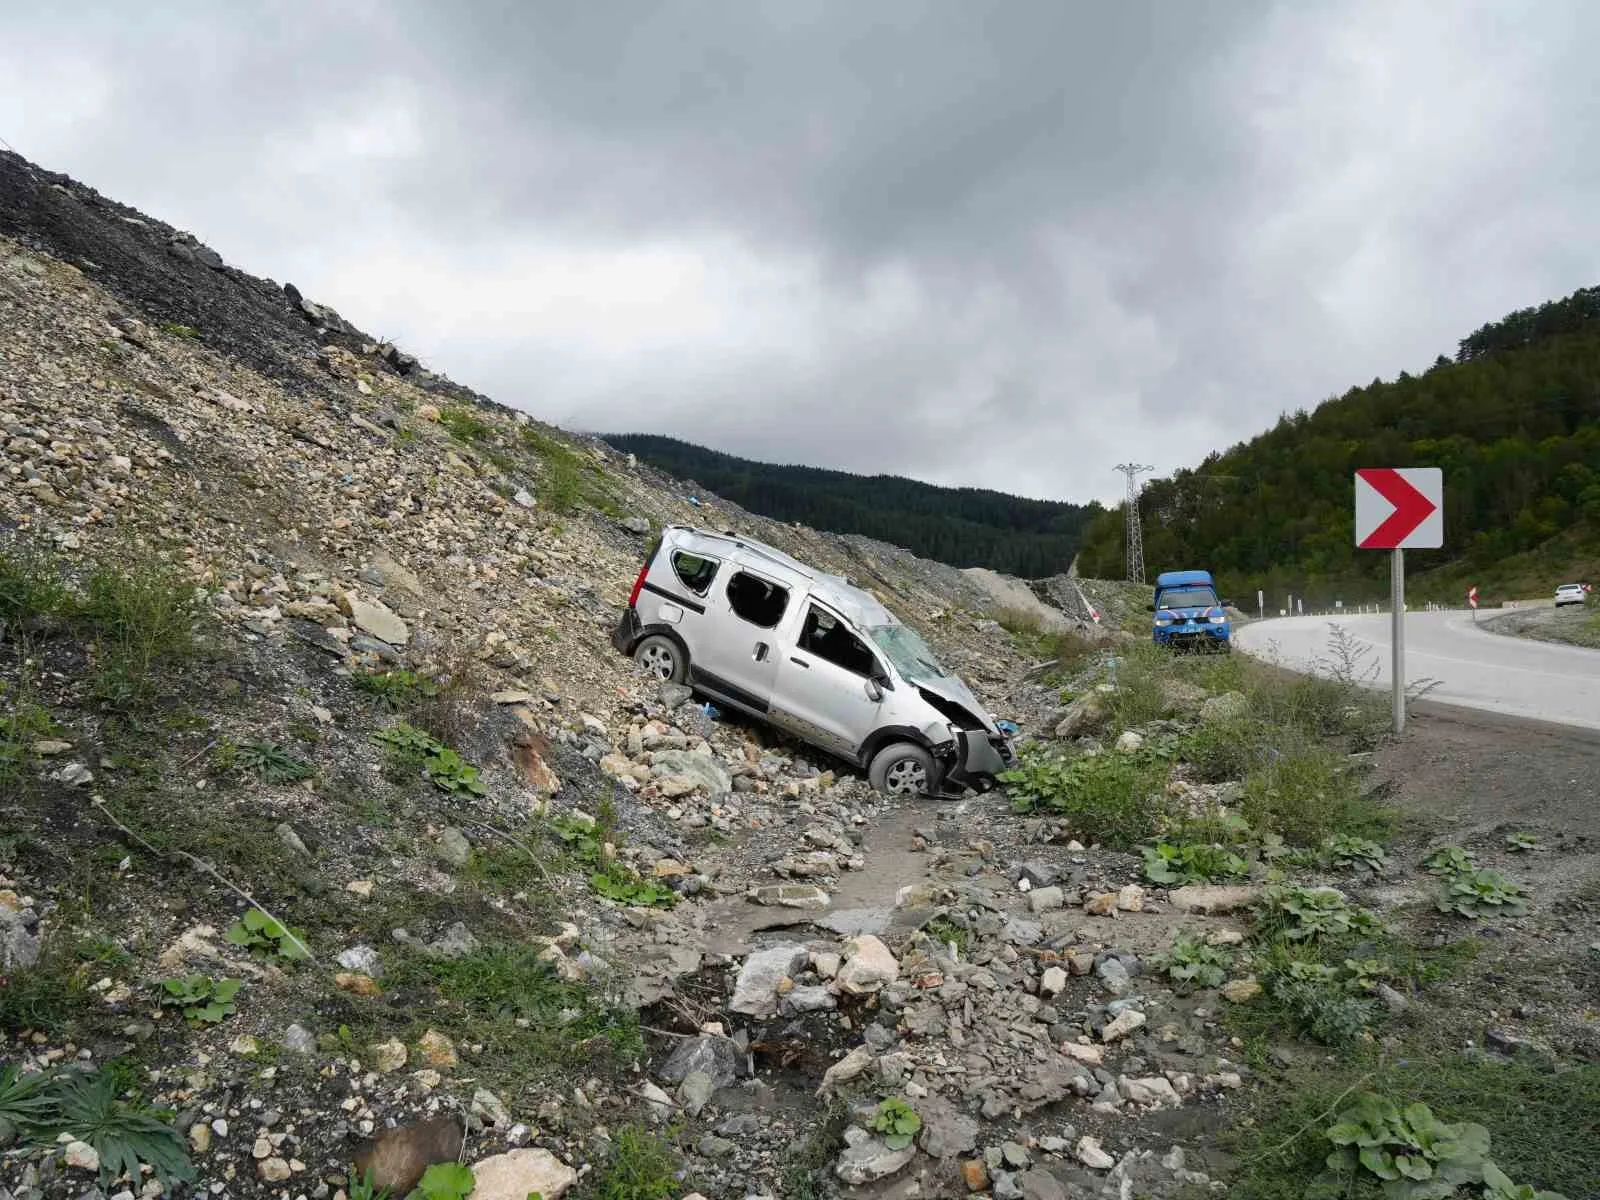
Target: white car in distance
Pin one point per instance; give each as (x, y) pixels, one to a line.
(1570, 593)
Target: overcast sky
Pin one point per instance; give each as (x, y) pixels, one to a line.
(1007, 243)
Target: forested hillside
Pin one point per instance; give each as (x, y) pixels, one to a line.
(965, 527)
(1513, 420)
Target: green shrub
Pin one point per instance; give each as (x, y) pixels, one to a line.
(1192, 961)
(1115, 799)
(1167, 864)
(465, 425)
(200, 998)
(411, 749)
(1293, 913)
(123, 1134)
(1485, 892)
(1449, 860)
(1416, 1155)
(270, 763)
(638, 1166)
(1315, 1000)
(896, 1121)
(1307, 794)
(397, 689)
(264, 936)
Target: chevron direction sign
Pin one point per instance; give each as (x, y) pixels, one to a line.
(1399, 508)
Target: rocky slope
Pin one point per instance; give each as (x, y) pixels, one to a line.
(332, 825)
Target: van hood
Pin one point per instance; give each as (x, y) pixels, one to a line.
(954, 691)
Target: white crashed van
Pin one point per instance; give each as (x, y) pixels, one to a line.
(755, 629)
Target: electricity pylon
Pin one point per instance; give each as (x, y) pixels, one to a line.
(1135, 535)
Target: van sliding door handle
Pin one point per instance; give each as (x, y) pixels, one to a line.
(799, 662)
(761, 652)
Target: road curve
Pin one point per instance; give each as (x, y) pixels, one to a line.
(1543, 681)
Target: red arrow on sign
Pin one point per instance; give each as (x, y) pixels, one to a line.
(1411, 507)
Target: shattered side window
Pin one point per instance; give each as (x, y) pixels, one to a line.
(694, 572)
(757, 601)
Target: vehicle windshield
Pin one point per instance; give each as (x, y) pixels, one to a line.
(908, 653)
(1194, 597)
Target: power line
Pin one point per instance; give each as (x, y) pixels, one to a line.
(1135, 534)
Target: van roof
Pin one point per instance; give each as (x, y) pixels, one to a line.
(855, 603)
(1181, 578)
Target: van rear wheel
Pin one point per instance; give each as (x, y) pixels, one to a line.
(662, 658)
(902, 769)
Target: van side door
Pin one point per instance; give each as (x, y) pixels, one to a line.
(737, 658)
(821, 692)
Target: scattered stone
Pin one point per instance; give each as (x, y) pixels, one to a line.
(791, 895)
(1130, 742)
(1092, 1156)
(1087, 714)
(361, 958)
(458, 942)
(1053, 982)
(1393, 1000)
(868, 965)
(490, 1109)
(975, 1174)
(74, 775)
(1114, 975)
(1101, 904)
(517, 1174)
(1090, 1055)
(1014, 1155)
(376, 619)
(1241, 991)
(291, 839)
(1214, 898)
(1040, 1185)
(849, 1067)
(1131, 898)
(946, 1133)
(870, 1160)
(200, 1137)
(454, 848)
(274, 1169)
(1122, 1025)
(696, 1091)
(1046, 899)
(1039, 874)
(357, 984)
(437, 1050)
(299, 1040)
(755, 994)
(389, 1056)
(1154, 1091)
(715, 1057)
(82, 1156)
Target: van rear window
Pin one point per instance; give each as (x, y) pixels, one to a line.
(694, 572)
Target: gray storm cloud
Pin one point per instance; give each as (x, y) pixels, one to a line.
(1003, 244)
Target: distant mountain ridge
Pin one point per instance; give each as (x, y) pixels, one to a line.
(965, 527)
(1513, 421)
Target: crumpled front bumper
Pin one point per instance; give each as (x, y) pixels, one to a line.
(972, 761)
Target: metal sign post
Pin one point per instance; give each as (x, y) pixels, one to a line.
(1397, 636)
(1397, 510)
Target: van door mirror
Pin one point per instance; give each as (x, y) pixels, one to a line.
(874, 692)
(1149, 608)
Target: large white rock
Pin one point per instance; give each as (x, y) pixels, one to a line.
(756, 992)
(516, 1174)
(868, 965)
(374, 618)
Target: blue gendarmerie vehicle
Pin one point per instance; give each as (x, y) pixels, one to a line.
(1188, 613)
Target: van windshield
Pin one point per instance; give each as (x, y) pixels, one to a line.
(1190, 597)
(906, 650)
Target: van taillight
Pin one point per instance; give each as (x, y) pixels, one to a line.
(638, 586)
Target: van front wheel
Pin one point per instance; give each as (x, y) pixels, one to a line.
(902, 769)
(662, 659)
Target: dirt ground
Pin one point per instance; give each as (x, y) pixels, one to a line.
(1476, 771)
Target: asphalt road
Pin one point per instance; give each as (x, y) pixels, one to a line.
(1543, 681)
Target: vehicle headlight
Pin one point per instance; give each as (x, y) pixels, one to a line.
(1219, 618)
(1163, 622)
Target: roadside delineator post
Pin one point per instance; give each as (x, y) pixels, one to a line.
(1397, 510)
